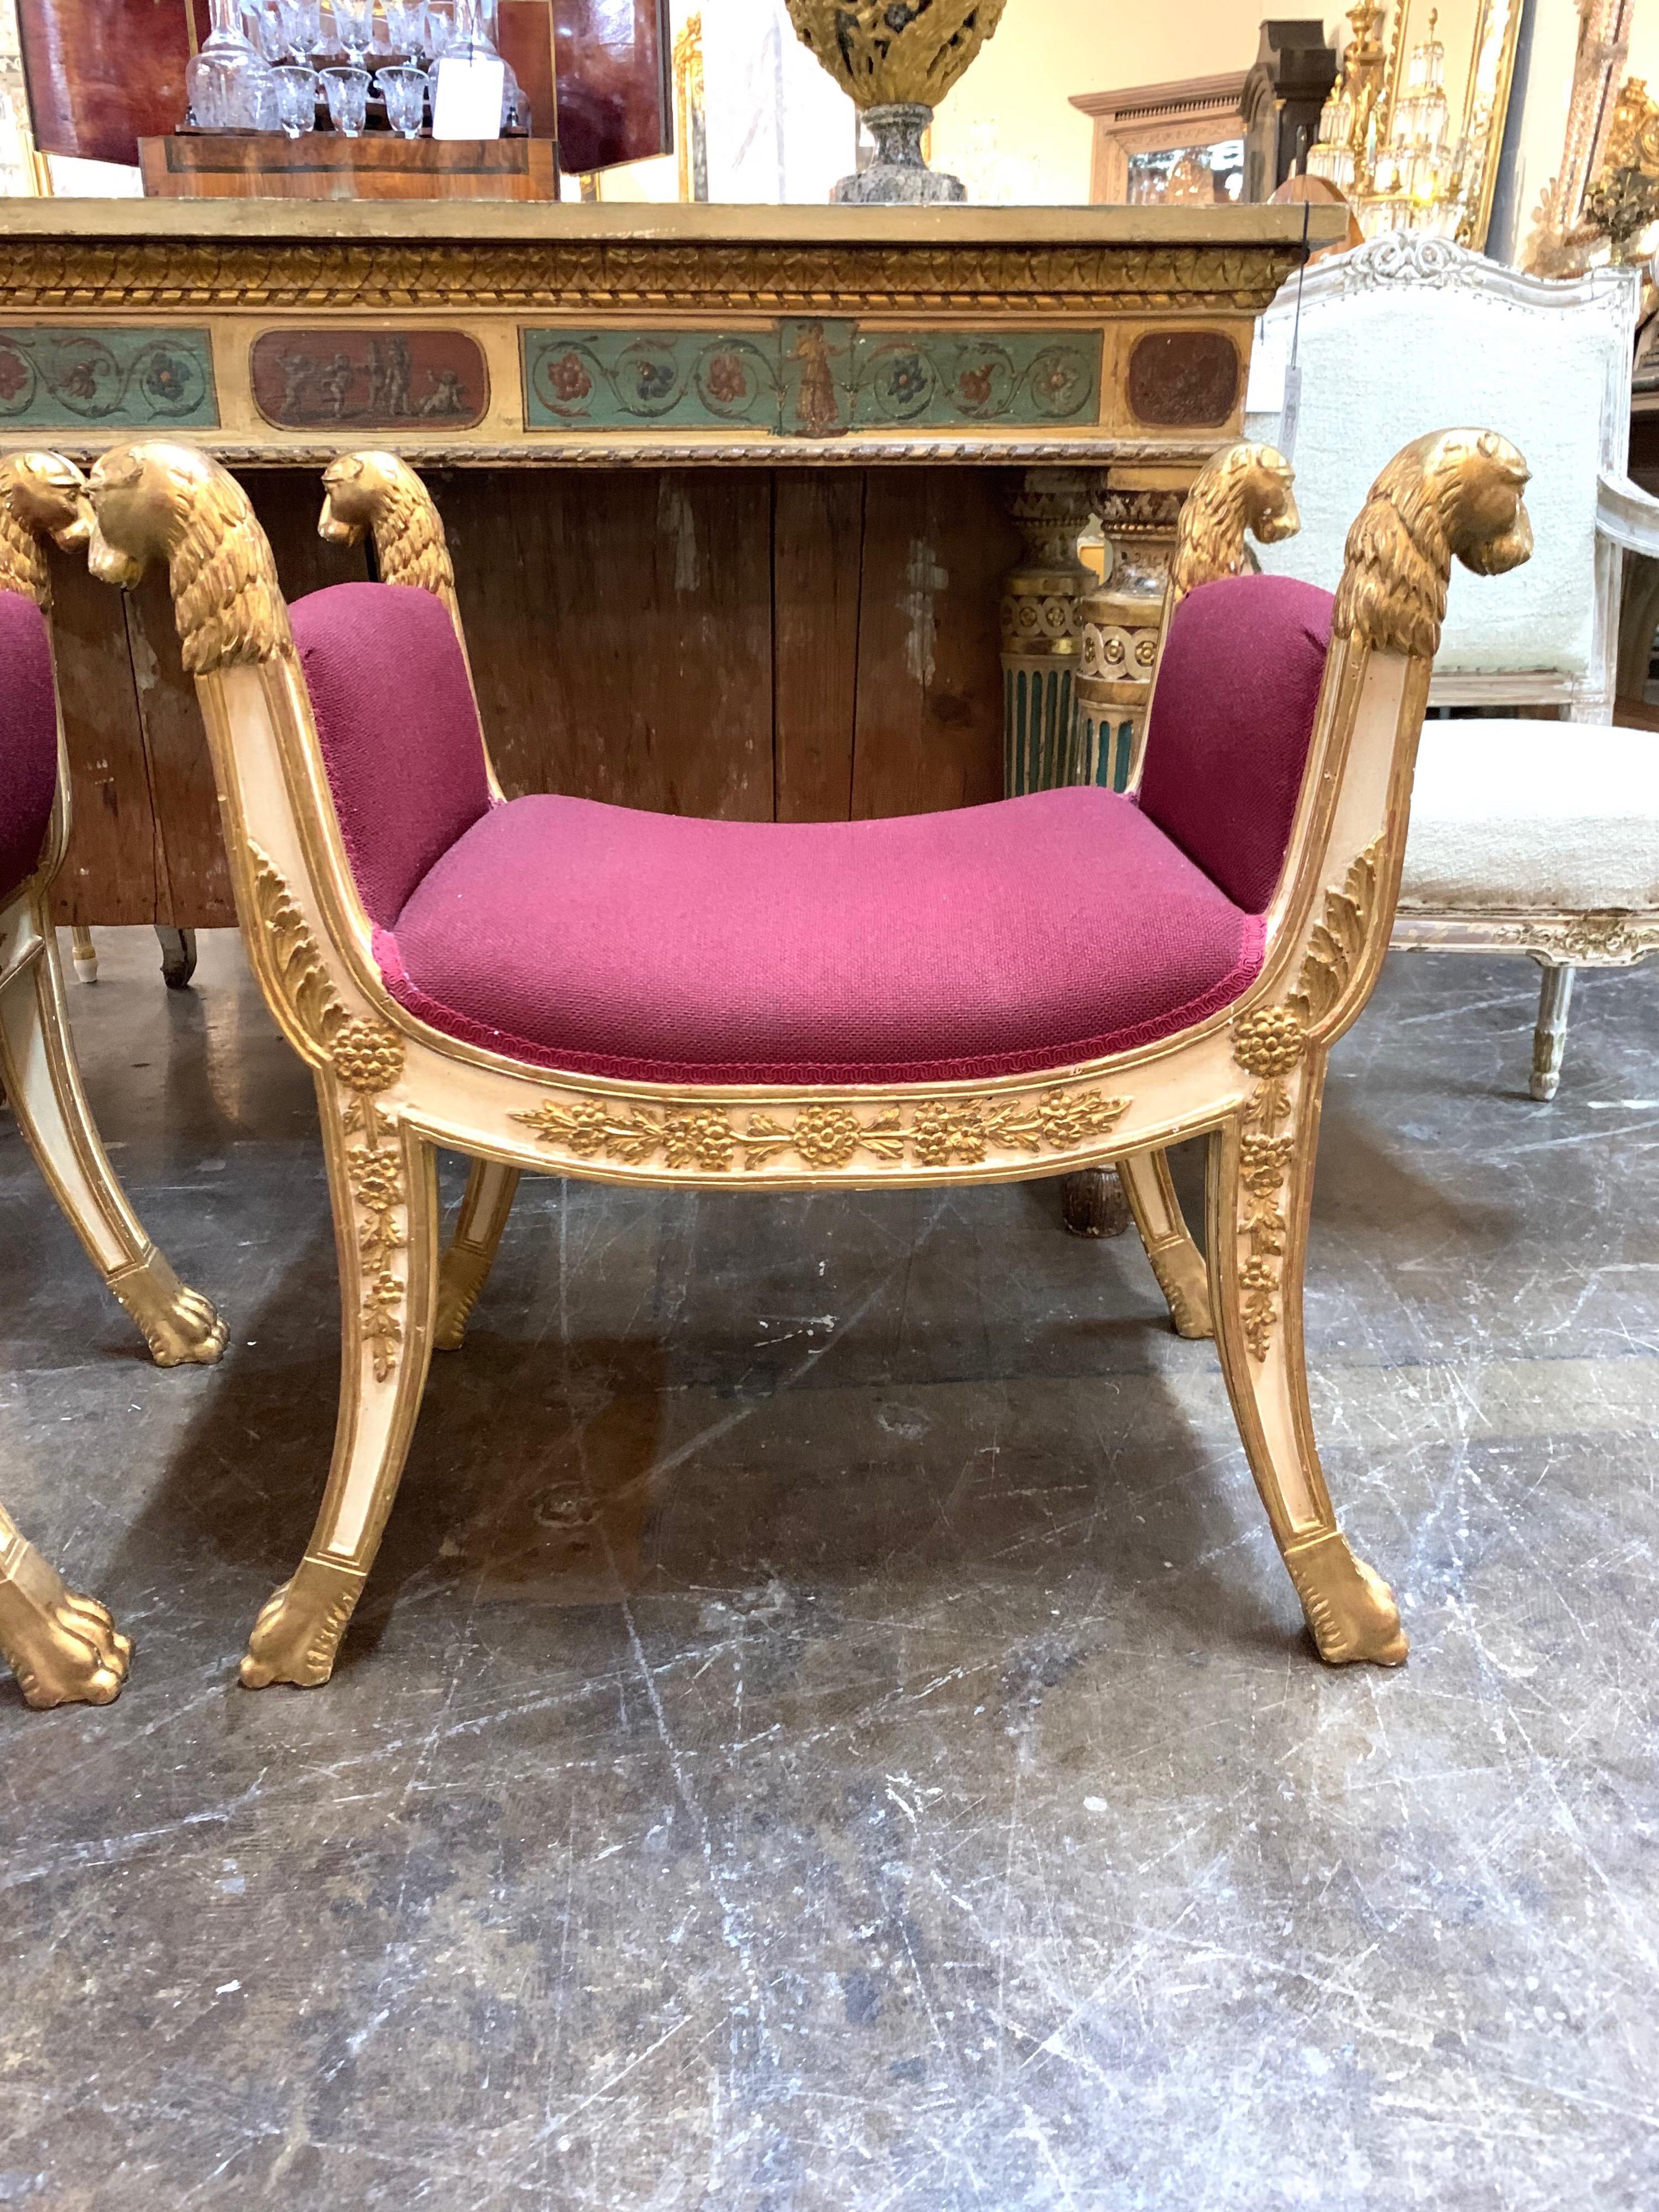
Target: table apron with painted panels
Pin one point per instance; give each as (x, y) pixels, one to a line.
(760, 513)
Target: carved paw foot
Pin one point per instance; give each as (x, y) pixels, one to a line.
(1185, 1283)
(180, 1327)
(299, 1626)
(1350, 1609)
(461, 1273)
(63, 1648)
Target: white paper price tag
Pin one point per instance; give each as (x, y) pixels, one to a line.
(467, 100)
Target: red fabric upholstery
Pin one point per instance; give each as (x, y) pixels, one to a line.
(29, 738)
(987, 941)
(398, 730)
(1230, 721)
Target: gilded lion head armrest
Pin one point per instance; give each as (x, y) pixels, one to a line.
(1245, 660)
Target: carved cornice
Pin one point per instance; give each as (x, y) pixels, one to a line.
(1408, 257)
(598, 276)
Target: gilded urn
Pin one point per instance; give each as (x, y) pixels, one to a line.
(899, 58)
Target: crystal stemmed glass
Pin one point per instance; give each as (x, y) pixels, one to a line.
(303, 28)
(354, 25)
(438, 29)
(348, 100)
(296, 90)
(405, 26)
(404, 89)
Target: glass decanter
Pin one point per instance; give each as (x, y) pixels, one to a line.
(228, 84)
(471, 40)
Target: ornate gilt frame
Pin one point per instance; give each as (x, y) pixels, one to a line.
(391, 1090)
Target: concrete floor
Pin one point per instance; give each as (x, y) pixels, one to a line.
(828, 1731)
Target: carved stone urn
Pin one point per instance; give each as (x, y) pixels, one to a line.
(899, 58)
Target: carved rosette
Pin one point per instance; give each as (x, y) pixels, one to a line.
(937, 1132)
(365, 1059)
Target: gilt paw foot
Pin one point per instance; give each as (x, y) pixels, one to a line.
(461, 1274)
(62, 1648)
(1350, 1609)
(180, 1327)
(299, 1626)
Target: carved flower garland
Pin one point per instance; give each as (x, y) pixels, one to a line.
(710, 1139)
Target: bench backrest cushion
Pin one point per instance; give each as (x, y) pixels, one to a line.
(29, 738)
(1230, 721)
(398, 729)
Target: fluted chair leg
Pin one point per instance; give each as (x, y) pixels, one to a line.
(1549, 1039)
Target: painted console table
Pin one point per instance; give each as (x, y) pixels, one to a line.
(753, 510)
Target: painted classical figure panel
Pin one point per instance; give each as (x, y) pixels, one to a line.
(370, 379)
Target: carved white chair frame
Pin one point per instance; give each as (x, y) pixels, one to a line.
(391, 1090)
(62, 1647)
(1627, 519)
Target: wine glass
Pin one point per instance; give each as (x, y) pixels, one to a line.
(354, 26)
(405, 26)
(301, 22)
(296, 93)
(348, 100)
(404, 89)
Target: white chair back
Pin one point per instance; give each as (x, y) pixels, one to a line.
(1406, 334)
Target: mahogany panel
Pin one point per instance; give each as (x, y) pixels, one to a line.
(620, 625)
(109, 874)
(818, 552)
(102, 74)
(321, 165)
(937, 545)
(616, 99)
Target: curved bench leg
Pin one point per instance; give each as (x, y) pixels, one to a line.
(1176, 1260)
(388, 1286)
(86, 954)
(43, 1085)
(466, 1265)
(63, 1648)
(1260, 1182)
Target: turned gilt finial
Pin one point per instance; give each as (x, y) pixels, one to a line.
(379, 494)
(1243, 487)
(154, 500)
(41, 495)
(1452, 493)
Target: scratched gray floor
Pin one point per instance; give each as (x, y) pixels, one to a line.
(828, 1729)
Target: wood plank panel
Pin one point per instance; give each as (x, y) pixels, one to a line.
(620, 624)
(109, 873)
(818, 553)
(936, 544)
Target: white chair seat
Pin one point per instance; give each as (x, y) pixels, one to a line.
(1560, 815)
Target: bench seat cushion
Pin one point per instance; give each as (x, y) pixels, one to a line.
(990, 941)
(1544, 815)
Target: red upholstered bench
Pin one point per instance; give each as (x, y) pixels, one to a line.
(61, 1647)
(1030, 988)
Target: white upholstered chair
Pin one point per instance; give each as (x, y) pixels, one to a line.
(1531, 835)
